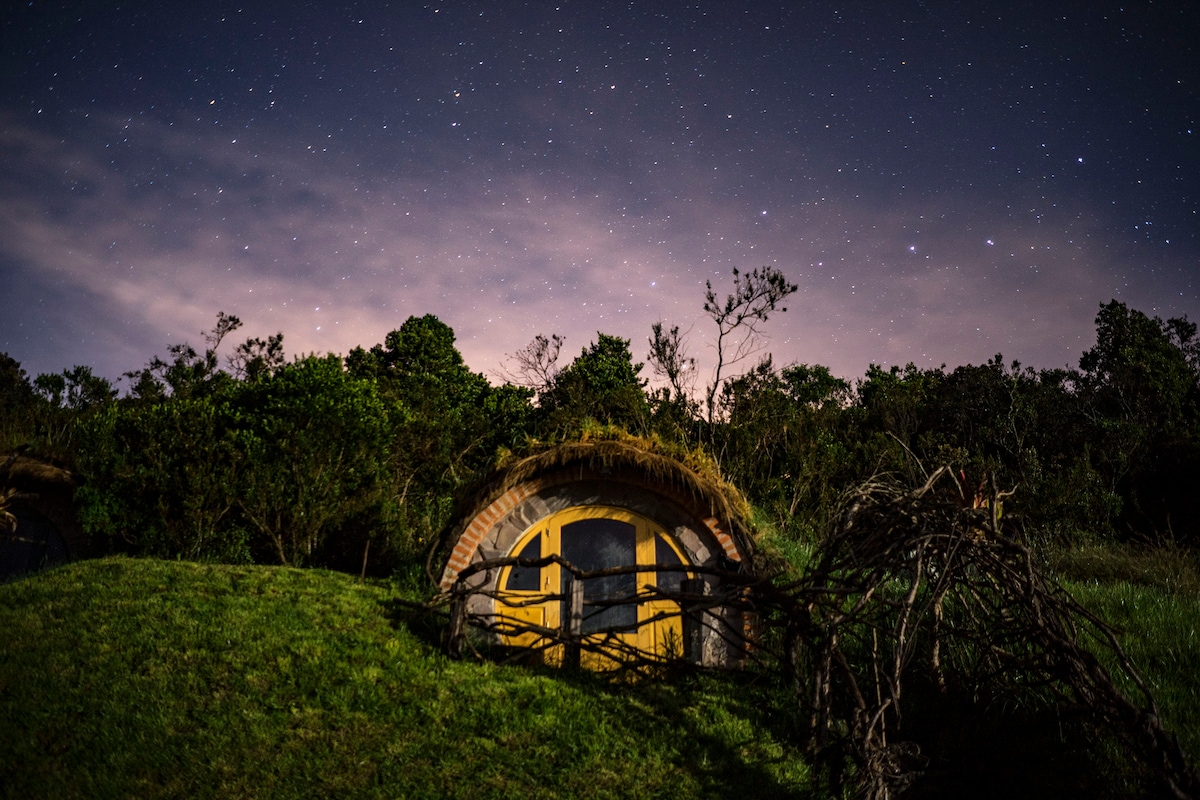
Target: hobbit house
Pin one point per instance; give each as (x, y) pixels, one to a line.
(604, 552)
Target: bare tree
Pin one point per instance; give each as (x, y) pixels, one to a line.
(740, 318)
(536, 364)
(226, 324)
(668, 360)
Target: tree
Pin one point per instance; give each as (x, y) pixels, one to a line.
(66, 399)
(602, 384)
(990, 411)
(76, 389)
(313, 443)
(437, 400)
(894, 412)
(19, 404)
(898, 402)
(739, 320)
(1140, 377)
(674, 410)
(815, 386)
(1141, 391)
(669, 361)
(783, 441)
(188, 372)
(419, 365)
(445, 422)
(161, 478)
(161, 465)
(254, 359)
(536, 364)
(1026, 429)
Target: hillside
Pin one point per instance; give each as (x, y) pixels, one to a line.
(123, 677)
(147, 678)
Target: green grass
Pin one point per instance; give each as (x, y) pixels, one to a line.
(1152, 597)
(1160, 632)
(123, 678)
(143, 678)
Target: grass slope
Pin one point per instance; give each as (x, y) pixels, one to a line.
(143, 678)
(122, 678)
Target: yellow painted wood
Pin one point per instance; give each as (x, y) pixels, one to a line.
(659, 630)
(509, 612)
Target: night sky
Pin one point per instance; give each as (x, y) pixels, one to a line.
(944, 181)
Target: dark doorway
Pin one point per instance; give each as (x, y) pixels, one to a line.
(35, 544)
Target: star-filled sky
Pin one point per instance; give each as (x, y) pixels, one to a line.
(944, 181)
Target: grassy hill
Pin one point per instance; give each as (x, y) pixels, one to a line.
(122, 678)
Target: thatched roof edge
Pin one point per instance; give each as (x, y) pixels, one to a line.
(18, 469)
(687, 473)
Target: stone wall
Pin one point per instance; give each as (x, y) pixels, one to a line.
(493, 532)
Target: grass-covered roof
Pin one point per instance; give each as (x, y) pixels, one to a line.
(612, 452)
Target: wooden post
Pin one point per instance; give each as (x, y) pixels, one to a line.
(362, 576)
(693, 619)
(573, 623)
(458, 624)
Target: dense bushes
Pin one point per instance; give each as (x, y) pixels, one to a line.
(318, 462)
(260, 470)
(355, 463)
(1106, 452)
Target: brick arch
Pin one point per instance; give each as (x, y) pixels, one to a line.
(492, 531)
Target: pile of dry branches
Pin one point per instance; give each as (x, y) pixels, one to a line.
(926, 583)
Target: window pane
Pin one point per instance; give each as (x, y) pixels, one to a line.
(664, 554)
(595, 544)
(527, 579)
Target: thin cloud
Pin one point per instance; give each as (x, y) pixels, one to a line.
(334, 256)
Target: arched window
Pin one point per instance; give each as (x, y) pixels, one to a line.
(627, 607)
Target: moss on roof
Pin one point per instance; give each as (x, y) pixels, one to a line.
(19, 470)
(687, 471)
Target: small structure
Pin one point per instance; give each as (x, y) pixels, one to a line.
(613, 547)
(38, 525)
